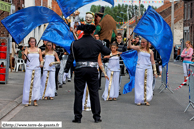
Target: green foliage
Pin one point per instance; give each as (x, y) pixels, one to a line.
(120, 11)
(82, 19)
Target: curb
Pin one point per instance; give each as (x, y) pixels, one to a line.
(10, 106)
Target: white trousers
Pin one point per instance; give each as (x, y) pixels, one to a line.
(185, 69)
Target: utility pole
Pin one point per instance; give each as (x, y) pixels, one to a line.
(139, 8)
(172, 29)
(128, 33)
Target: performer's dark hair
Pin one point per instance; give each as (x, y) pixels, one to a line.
(114, 44)
(30, 40)
(119, 34)
(88, 29)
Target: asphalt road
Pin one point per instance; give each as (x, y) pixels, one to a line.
(165, 112)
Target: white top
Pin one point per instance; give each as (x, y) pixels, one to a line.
(113, 63)
(34, 60)
(144, 60)
(49, 58)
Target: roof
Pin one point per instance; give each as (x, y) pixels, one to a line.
(165, 11)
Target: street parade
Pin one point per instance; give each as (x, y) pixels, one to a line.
(119, 63)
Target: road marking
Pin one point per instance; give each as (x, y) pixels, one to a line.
(10, 115)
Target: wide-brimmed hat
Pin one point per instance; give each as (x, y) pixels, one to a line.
(101, 12)
(86, 28)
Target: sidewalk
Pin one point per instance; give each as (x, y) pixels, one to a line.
(11, 93)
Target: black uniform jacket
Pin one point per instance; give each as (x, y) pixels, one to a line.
(86, 49)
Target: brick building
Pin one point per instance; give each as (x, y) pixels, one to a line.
(165, 12)
(16, 5)
(20, 4)
(189, 21)
(56, 8)
(38, 31)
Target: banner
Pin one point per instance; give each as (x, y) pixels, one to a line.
(4, 6)
(130, 60)
(60, 34)
(22, 22)
(153, 28)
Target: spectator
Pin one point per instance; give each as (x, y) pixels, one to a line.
(20, 51)
(137, 43)
(96, 36)
(187, 56)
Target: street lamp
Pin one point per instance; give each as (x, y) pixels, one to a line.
(121, 18)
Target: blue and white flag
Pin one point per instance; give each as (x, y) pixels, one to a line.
(60, 34)
(130, 60)
(70, 6)
(153, 28)
(22, 22)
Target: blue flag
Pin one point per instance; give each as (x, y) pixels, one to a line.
(22, 22)
(153, 28)
(59, 33)
(70, 6)
(130, 60)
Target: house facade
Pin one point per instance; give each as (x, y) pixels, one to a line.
(188, 25)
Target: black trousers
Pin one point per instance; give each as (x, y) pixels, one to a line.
(99, 79)
(56, 77)
(89, 75)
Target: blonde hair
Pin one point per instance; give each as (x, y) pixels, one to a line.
(46, 49)
(147, 46)
(188, 42)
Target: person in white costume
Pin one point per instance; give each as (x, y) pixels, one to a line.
(48, 78)
(86, 106)
(32, 82)
(144, 73)
(66, 76)
(111, 91)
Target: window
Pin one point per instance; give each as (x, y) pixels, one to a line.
(185, 12)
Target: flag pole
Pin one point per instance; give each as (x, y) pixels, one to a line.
(172, 29)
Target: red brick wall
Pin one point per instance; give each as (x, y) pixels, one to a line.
(165, 11)
(3, 31)
(18, 5)
(44, 3)
(56, 8)
(37, 2)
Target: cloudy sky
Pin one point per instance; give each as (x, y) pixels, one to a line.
(86, 8)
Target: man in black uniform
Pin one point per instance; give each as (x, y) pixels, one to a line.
(85, 51)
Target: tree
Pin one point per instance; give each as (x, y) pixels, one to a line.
(82, 19)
